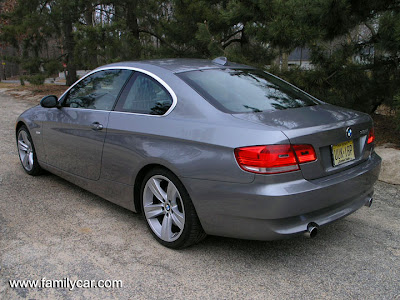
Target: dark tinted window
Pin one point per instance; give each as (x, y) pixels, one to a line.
(97, 91)
(144, 95)
(241, 90)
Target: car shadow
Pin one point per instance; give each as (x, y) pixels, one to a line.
(338, 233)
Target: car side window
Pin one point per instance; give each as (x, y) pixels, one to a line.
(145, 95)
(97, 91)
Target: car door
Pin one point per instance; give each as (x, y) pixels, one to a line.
(132, 128)
(74, 134)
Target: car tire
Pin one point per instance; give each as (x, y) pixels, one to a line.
(27, 153)
(169, 212)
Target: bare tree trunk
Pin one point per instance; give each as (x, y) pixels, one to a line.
(133, 25)
(69, 46)
(301, 56)
(89, 14)
(131, 18)
(92, 51)
(285, 61)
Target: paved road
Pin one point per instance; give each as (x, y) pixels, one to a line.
(51, 228)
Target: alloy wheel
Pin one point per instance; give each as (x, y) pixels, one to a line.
(25, 151)
(163, 208)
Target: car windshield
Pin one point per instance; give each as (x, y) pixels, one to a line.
(245, 90)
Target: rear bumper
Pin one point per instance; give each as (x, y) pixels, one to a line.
(268, 209)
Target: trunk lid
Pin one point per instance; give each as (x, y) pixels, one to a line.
(322, 126)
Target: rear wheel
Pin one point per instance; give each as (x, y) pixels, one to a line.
(169, 211)
(26, 152)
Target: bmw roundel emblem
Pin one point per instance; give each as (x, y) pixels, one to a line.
(349, 132)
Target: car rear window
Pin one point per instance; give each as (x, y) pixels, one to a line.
(246, 90)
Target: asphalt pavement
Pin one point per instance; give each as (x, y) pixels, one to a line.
(52, 229)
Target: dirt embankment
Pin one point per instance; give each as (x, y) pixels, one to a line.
(32, 93)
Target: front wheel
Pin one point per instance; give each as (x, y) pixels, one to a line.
(169, 211)
(26, 152)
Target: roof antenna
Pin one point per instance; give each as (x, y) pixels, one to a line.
(223, 61)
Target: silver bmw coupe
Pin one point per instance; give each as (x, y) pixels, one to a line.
(204, 147)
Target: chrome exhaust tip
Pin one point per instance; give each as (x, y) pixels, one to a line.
(369, 202)
(312, 230)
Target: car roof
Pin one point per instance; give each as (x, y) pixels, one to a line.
(179, 65)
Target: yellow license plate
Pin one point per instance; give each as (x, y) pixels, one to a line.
(343, 152)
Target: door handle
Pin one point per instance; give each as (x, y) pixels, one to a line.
(96, 126)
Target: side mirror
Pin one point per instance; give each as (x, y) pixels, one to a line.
(49, 101)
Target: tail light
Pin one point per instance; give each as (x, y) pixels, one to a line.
(304, 153)
(371, 136)
(273, 159)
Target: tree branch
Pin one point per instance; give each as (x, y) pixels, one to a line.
(231, 35)
(371, 28)
(142, 30)
(230, 42)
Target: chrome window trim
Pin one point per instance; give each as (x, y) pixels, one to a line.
(155, 77)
